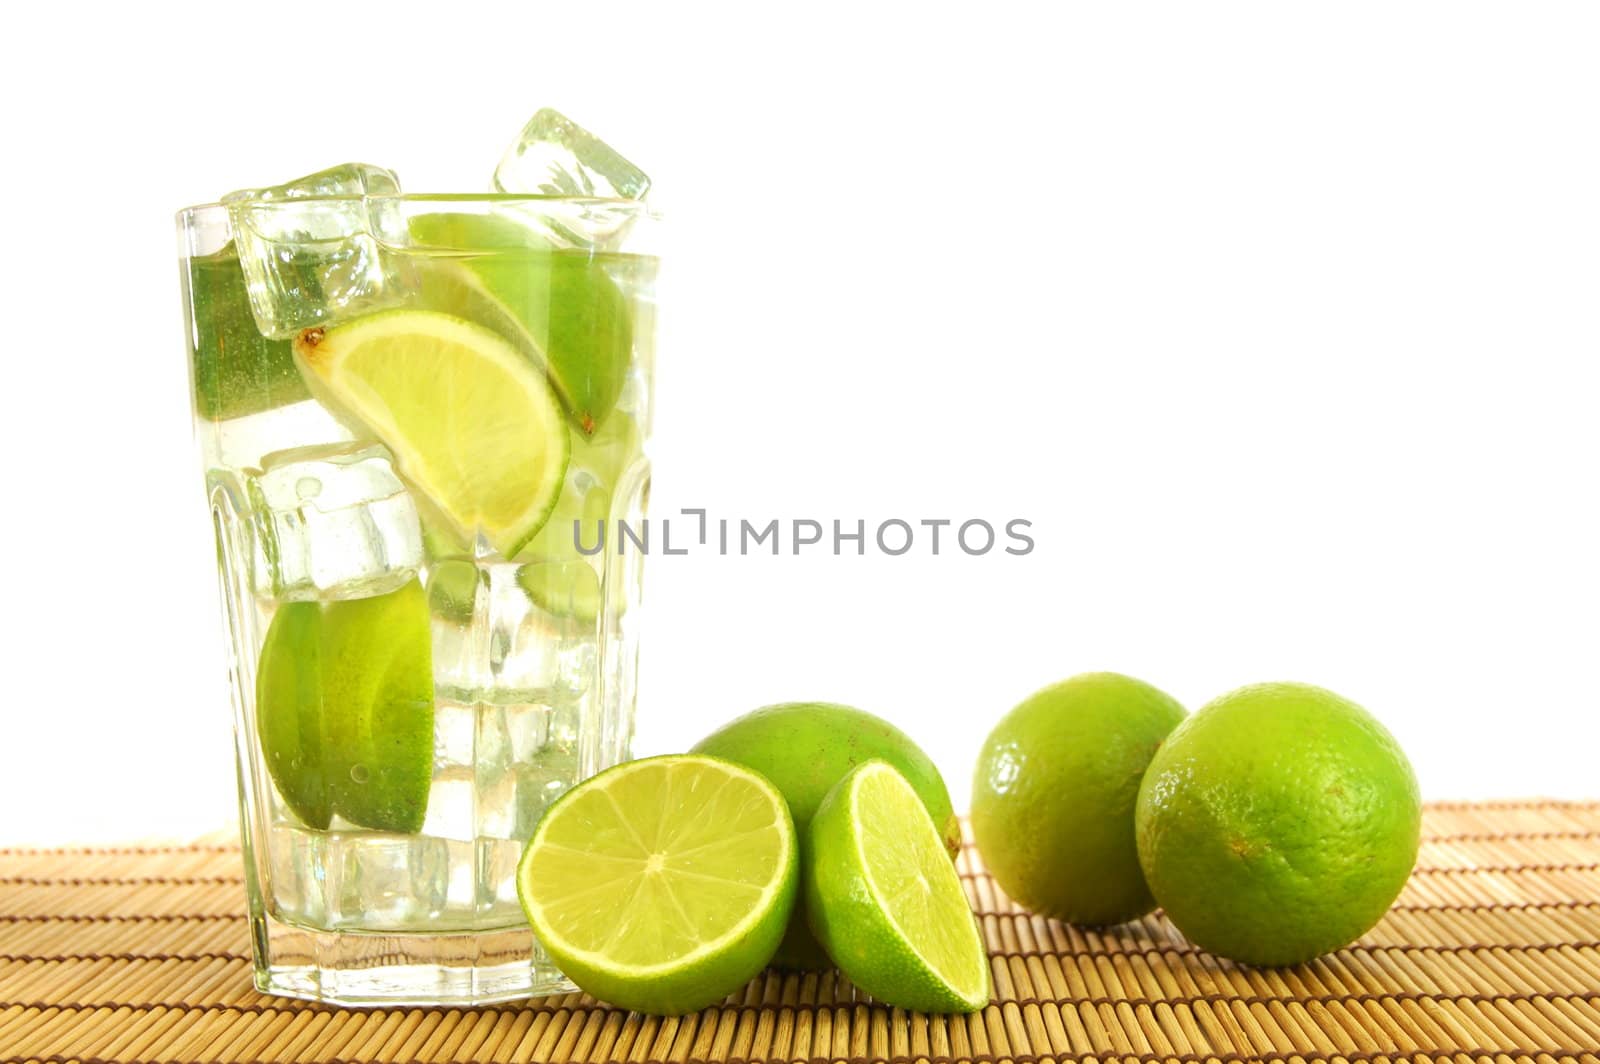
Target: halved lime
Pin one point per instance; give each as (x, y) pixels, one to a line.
(662, 885)
(472, 424)
(559, 306)
(344, 709)
(885, 901)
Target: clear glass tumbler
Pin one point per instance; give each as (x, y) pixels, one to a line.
(407, 406)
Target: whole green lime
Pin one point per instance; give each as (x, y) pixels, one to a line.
(1278, 823)
(1054, 792)
(804, 748)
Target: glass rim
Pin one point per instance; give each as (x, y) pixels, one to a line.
(533, 199)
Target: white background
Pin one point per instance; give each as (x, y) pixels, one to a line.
(1278, 321)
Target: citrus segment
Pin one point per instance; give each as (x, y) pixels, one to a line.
(472, 425)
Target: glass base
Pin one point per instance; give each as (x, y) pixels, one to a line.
(390, 968)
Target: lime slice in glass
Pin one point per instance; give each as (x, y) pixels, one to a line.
(237, 371)
(662, 885)
(377, 681)
(563, 589)
(559, 306)
(596, 470)
(885, 901)
(344, 708)
(472, 425)
(289, 711)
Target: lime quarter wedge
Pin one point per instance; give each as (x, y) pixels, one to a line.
(559, 306)
(662, 885)
(473, 426)
(237, 371)
(886, 903)
(377, 691)
(289, 711)
(344, 709)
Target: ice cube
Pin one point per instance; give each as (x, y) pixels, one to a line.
(555, 156)
(332, 522)
(527, 758)
(452, 804)
(384, 881)
(297, 855)
(496, 641)
(496, 875)
(320, 248)
(546, 773)
(509, 651)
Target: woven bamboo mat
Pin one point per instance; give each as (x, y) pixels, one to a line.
(1491, 954)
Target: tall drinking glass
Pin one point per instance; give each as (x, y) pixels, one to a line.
(405, 407)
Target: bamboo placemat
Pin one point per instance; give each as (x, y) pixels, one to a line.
(140, 954)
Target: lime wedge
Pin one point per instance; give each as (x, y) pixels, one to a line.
(473, 426)
(344, 709)
(885, 901)
(662, 885)
(598, 464)
(378, 723)
(289, 711)
(563, 589)
(559, 306)
(237, 371)
(560, 580)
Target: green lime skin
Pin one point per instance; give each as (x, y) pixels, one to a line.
(289, 711)
(344, 709)
(237, 371)
(378, 683)
(1053, 796)
(805, 748)
(1278, 823)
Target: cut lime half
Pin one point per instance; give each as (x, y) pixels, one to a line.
(662, 885)
(885, 901)
(472, 424)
